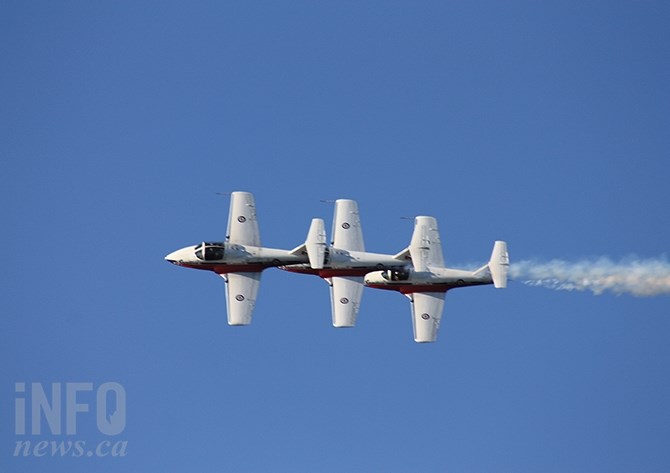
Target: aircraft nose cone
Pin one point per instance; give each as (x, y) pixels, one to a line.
(373, 278)
(172, 257)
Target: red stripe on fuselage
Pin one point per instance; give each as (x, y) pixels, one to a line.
(409, 289)
(219, 268)
(331, 272)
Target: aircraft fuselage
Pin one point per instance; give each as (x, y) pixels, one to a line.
(437, 280)
(223, 257)
(348, 263)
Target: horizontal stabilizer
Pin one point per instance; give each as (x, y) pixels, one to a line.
(299, 250)
(404, 255)
(316, 243)
(499, 264)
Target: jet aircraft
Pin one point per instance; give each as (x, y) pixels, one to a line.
(344, 263)
(427, 282)
(240, 259)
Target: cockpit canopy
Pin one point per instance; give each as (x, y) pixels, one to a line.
(395, 275)
(210, 251)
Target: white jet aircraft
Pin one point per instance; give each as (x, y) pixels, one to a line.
(240, 259)
(428, 281)
(344, 262)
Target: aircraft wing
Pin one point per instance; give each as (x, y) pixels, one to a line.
(345, 297)
(426, 315)
(425, 247)
(347, 233)
(242, 223)
(241, 291)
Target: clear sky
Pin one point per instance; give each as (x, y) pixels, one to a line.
(541, 123)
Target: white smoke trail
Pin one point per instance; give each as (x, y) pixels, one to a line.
(639, 277)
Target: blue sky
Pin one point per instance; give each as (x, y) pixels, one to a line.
(541, 123)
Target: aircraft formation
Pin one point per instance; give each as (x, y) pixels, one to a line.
(418, 271)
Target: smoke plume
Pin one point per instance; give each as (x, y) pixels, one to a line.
(639, 277)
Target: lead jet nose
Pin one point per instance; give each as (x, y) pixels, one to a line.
(172, 257)
(181, 256)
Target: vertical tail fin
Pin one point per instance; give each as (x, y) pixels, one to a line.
(316, 243)
(499, 264)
